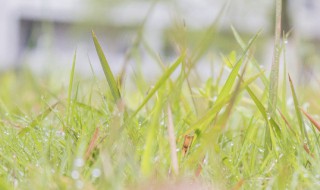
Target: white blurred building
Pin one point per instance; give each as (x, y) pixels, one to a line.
(38, 32)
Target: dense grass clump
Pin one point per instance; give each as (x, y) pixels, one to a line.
(228, 132)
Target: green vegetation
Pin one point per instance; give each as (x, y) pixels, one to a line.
(230, 132)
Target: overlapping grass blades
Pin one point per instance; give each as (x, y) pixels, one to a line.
(302, 126)
(160, 82)
(224, 94)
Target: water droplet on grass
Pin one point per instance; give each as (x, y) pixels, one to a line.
(75, 174)
(79, 184)
(96, 172)
(78, 162)
(60, 133)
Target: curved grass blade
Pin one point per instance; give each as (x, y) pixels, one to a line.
(106, 69)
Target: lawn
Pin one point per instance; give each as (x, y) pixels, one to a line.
(241, 128)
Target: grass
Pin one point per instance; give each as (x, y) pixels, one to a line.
(179, 132)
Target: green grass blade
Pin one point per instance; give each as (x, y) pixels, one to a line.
(298, 113)
(274, 75)
(311, 119)
(107, 71)
(71, 83)
(38, 119)
(243, 46)
(234, 73)
(149, 149)
(218, 106)
(226, 89)
(160, 82)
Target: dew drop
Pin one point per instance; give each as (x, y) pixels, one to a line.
(268, 116)
(60, 133)
(78, 162)
(75, 174)
(96, 172)
(79, 184)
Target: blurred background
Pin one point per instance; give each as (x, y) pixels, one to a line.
(44, 34)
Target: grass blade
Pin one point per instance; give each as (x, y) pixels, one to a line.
(298, 113)
(274, 75)
(313, 121)
(160, 82)
(39, 118)
(172, 141)
(71, 83)
(107, 71)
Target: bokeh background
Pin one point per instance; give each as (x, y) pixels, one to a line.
(44, 34)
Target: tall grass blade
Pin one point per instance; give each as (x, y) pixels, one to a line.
(234, 73)
(149, 149)
(107, 71)
(274, 75)
(172, 142)
(243, 46)
(71, 83)
(298, 113)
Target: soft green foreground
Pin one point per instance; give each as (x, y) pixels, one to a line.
(90, 135)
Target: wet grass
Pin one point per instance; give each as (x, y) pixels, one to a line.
(230, 131)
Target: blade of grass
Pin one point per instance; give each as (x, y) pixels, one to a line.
(38, 119)
(106, 69)
(71, 84)
(92, 143)
(274, 75)
(234, 73)
(243, 46)
(172, 141)
(151, 136)
(224, 94)
(216, 107)
(298, 113)
(160, 82)
(312, 120)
